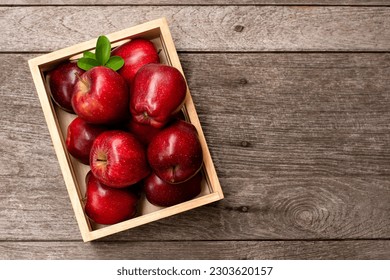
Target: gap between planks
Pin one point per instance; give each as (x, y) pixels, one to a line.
(192, 241)
(196, 4)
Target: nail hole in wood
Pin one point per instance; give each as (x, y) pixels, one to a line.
(244, 143)
(238, 28)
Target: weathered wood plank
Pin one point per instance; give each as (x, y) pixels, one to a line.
(290, 108)
(193, 2)
(261, 208)
(204, 28)
(300, 142)
(334, 250)
(312, 114)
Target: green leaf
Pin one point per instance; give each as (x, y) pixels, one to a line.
(86, 63)
(115, 62)
(89, 55)
(103, 50)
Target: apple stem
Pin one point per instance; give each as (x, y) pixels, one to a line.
(173, 172)
(82, 80)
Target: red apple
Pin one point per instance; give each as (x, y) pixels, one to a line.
(106, 205)
(101, 96)
(118, 159)
(158, 92)
(136, 54)
(143, 132)
(62, 80)
(161, 193)
(175, 154)
(79, 138)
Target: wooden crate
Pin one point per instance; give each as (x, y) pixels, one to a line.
(74, 172)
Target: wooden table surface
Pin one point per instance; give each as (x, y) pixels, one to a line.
(294, 100)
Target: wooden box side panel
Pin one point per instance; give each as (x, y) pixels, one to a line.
(154, 216)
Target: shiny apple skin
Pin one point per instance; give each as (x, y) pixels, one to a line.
(175, 154)
(118, 159)
(107, 206)
(160, 193)
(62, 80)
(79, 138)
(157, 93)
(101, 96)
(144, 133)
(136, 54)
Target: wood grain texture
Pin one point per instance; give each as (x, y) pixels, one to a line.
(327, 250)
(204, 28)
(194, 2)
(290, 114)
(300, 142)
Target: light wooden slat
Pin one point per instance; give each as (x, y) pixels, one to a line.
(204, 28)
(194, 2)
(300, 142)
(278, 250)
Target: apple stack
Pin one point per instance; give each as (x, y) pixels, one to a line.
(129, 128)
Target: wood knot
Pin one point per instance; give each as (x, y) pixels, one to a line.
(245, 144)
(238, 28)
